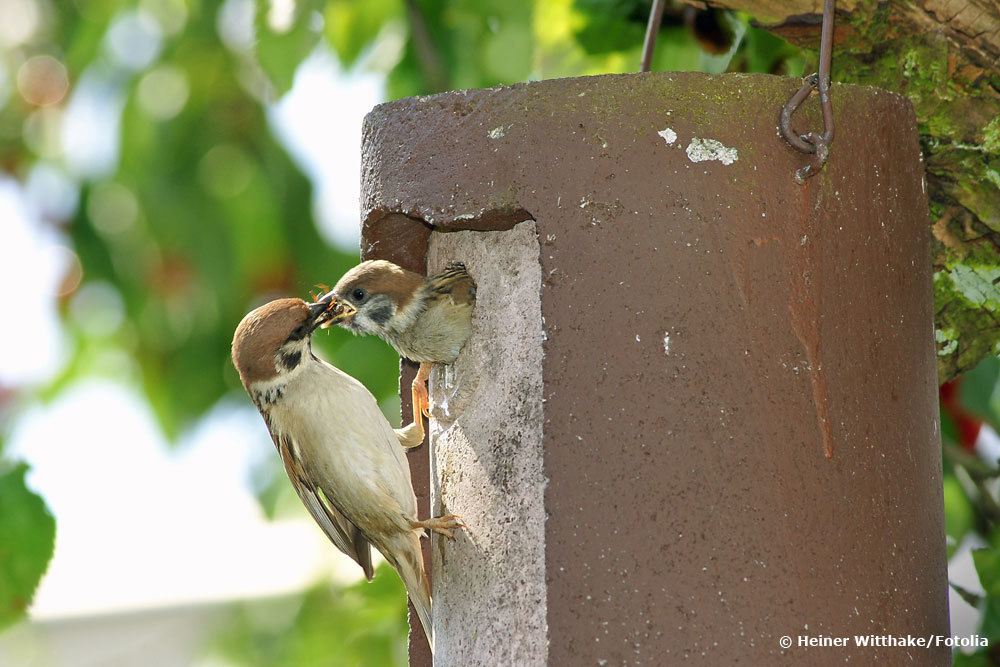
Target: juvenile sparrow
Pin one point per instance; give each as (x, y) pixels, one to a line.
(338, 449)
(427, 320)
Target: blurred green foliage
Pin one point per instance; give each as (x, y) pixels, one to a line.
(972, 494)
(354, 626)
(202, 215)
(27, 537)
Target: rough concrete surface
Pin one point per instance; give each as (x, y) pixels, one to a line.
(486, 460)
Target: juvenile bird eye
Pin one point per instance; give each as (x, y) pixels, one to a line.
(358, 294)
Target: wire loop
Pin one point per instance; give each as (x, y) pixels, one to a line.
(811, 142)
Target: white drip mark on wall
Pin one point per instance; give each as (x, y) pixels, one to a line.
(701, 150)
(668, 135)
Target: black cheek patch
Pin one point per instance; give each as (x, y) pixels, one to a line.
(381, 314)
(291, 359)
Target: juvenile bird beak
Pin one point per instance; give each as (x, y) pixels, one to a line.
(337, 311)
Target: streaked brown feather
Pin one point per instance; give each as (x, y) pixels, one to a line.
(455, 282)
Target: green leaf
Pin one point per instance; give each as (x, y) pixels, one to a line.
(611, 25)
(987, 562)
(978, 389)
(677, 50)
(507, 52)
(974, 599)
(27, 539)
(279, 52)
(770, 54)
(990, 626)
(351, 25)
(959, 516)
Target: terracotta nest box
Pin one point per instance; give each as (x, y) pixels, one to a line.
(698, 411)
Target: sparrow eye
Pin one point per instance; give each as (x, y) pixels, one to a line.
(358, 294)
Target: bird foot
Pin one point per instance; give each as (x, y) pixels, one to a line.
(442, 525)
(421, 398)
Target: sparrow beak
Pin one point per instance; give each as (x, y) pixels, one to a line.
(337, 311)
(319, 313)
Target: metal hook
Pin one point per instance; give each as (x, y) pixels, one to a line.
(811, 142)
(817, 145)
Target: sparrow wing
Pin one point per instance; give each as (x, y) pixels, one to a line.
(454, 282)
(345, 535)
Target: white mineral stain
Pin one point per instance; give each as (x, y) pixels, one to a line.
(700, 150)
(668, 135)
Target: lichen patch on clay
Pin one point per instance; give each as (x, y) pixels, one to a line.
(701, 150)
(668, 135)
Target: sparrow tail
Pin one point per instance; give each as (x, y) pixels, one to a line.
(410, 565)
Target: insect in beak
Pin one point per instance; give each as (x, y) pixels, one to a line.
(338, 311)
(319, 313)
